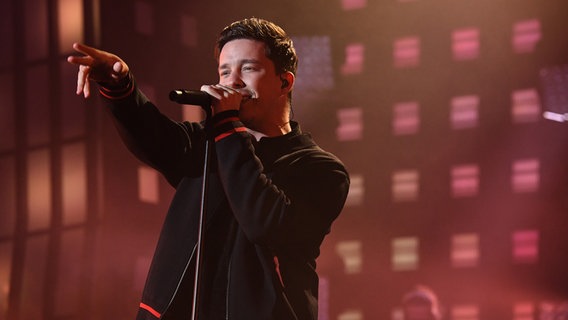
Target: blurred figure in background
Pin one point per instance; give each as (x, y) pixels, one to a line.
(421, 303)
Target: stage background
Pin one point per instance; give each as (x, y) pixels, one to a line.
(436, 107)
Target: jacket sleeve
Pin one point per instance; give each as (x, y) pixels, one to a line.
(172, 148)
(294, 207)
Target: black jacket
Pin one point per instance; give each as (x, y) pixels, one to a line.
(269, 205)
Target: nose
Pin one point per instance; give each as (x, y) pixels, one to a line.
(235, 81)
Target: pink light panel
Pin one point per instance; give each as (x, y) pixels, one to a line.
(406, 118)
(406, 52)
(525, 246)
(526, 35)
(354, 59)
(465, 180)
(465, 44)
(405, 185)
(465, 250)
(350, 124)
(464, 112)
(526, 175)
(353, 4)
(525, 105)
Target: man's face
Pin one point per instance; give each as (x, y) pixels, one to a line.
(243, 66)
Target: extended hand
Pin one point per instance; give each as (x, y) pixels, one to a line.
(96, 65)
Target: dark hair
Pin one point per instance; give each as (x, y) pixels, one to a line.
(279, 47)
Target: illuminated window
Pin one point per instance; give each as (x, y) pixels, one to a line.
(353, 4)
(465, 181)
(526, 35)
(148, 185)
(354, 59)
(141, 271)
(526, 175)
(524, 311)
(525, 106)
(70, 16)
(39, 189)
(465, 44)
(465, 250)
(323, 298)
(525, 246)
(406, 52)
(405, 185)
(5, 272)
(465, 312)
(74, 184)
(464, 112)
(356, 194)
(351, 254)
(350, 125)
(406, 118)
(397, 313)
(405, 254)
(351, 315)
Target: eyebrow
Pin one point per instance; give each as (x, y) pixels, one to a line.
(244, 61)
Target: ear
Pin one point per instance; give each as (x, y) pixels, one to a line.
(288, 80)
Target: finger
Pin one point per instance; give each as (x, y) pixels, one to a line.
(87, 89)
(82, 78)
(86, 60)
(212, 91)
(119, 70)
(86, 50)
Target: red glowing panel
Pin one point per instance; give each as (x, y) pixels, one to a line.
(356, 194)
(351, 254)
(465, 312)
(524, 311)
(526, 175)
(148, 189)
(406, 118)
(465, 250)
(464, 112)
(406, 52)
(465, 44)
(405, 254)
(353, 4)
(465, 181)
(405, 185)
(525, 106)
(526, 35)
(354, 59)
(350, 124)
(525, 246)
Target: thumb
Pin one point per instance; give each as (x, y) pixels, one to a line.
(119, 70)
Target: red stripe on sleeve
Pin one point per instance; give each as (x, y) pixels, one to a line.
(150, 309)
(230, 132)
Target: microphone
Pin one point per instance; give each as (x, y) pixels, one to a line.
(194, 97)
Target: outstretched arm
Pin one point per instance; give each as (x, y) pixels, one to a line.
(96, 65)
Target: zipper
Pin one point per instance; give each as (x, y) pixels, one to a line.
(227, 293)
(181, 279)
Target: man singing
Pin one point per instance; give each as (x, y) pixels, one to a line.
(273, 193)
